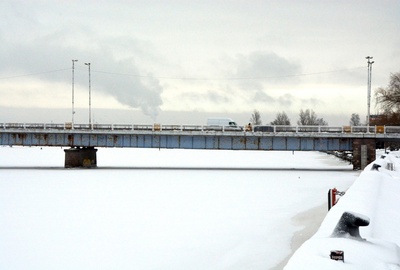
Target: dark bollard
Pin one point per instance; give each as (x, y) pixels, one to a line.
(348, 225)
(375, 167)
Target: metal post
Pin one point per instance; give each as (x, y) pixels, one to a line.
(369, 87)
(73, 94)
(90, 99)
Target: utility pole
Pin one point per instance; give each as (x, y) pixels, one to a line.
(73, 94)
(90, 99)
(369, 86)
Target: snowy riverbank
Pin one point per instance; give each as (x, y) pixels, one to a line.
(373, 196)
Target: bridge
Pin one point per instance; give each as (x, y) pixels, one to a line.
(82, 139)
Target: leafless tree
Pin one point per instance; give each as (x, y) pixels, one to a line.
(281, 119)
(309, 118)
(255, 118)
(355, 120)
(388, 99)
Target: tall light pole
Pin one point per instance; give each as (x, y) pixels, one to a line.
(73, 94)
(369, 86)
(90, 99)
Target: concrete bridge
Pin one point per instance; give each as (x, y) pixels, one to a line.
(83, 139)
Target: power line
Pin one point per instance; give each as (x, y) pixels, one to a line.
(191, 78)
(228, 78)
(33, 74)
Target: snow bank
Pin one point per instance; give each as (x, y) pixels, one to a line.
(374, 195)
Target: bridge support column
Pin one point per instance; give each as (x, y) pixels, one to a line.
(363, 153)
(80, 157)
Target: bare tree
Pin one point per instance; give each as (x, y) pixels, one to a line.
(388, 99)
(309, 118)
(281, 119)
(355, 120)
(255, 118)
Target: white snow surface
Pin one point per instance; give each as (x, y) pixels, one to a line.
(130, 213)
(374, 195)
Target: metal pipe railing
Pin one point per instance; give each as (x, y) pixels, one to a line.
(205, 128)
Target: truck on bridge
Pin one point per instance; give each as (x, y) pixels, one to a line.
(225, 123)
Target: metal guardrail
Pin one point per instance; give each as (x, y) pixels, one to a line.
(205, 128)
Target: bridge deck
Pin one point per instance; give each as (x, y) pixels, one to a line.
(304, 138)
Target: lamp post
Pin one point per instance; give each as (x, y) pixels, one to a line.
(90, 99)
(369, 86)
(73, 84)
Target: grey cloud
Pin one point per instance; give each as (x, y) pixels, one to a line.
(260, 96)
(212, 96)
(217, 98)
(311, 102)
(143, 93)
(258, 70)
(286, 100)
(266, 67)
(109, 75)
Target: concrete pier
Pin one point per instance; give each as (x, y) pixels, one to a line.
(80, 157)
(364, 152)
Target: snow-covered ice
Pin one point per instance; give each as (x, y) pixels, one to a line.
(124, 216)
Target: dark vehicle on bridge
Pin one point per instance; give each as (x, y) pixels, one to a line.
(263, 129)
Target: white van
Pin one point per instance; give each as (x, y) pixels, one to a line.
(224, 123)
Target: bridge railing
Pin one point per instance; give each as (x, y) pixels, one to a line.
(203, 128)
(392, 129)
(328, 129)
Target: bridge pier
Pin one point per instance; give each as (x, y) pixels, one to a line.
(77, 157)
(364, 152)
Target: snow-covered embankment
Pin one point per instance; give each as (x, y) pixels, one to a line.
(375, 195)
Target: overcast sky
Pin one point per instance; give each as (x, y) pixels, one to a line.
(203, 56)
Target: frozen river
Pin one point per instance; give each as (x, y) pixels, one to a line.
(133, 213)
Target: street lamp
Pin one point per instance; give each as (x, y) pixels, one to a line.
(73, 82)
(90, 99)
(369, 86)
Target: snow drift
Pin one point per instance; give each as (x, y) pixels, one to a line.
(374, 196)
